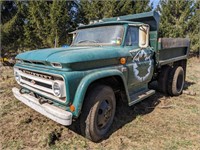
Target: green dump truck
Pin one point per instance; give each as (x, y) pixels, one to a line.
(108, 57)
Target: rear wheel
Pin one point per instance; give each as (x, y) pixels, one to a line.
(98, 112)
(163, 79)
(176, 81)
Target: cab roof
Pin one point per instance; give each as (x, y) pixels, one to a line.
(108, 23)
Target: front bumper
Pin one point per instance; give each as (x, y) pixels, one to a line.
(57, 114)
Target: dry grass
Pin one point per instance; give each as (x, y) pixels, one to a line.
(158, 122)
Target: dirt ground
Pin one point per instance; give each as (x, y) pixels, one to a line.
(159, 122)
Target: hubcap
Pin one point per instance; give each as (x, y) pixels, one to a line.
(104, 114)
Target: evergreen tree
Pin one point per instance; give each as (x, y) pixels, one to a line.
(12, 21)
(8, 10)
(194, 28)
(175, 16)
(125, 7)
(36, 28)
(95, 10)
(48, 23)
(179, 19)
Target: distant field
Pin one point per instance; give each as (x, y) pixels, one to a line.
(158, 122)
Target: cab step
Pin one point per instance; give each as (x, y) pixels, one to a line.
(137, 97)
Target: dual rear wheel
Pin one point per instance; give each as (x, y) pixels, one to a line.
(171, 80)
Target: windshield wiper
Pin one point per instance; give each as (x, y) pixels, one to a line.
(90, 41)
(87, 41)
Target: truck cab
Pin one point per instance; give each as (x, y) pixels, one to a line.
(107, 58)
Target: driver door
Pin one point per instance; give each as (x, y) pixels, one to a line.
(140, 68)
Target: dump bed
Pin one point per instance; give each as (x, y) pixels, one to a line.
(171, 50)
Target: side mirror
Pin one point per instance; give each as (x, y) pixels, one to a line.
(73, 34)
(143, 36)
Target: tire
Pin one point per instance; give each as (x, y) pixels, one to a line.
(98, 112)
(176, 81)
(163, 79)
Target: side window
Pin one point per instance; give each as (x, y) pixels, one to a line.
(132, 37)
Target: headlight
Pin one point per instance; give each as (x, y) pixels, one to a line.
(17, 77)
(56, 89)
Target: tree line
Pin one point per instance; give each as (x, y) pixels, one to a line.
(27, 25)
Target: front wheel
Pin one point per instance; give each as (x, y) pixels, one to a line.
(98, 112)
(176, 81)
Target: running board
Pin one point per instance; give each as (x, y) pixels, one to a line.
(137, 97)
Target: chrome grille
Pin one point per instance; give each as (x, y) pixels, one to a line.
(37, 83)
(40, 83)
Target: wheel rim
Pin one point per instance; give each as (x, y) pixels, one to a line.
(104, 114)
(180, 83)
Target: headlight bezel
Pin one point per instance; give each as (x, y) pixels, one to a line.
(60, 87)
(17, 77)
(57, 89)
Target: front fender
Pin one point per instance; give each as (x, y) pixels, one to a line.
(86, 81)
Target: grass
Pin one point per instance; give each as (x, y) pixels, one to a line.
(147, 125)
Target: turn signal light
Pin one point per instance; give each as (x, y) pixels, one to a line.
(72, 108)
(122, 60)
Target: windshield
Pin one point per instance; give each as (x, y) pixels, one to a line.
(104, 35)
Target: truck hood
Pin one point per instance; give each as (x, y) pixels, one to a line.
(72, 54)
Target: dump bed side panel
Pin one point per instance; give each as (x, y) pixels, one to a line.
(171, 50)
